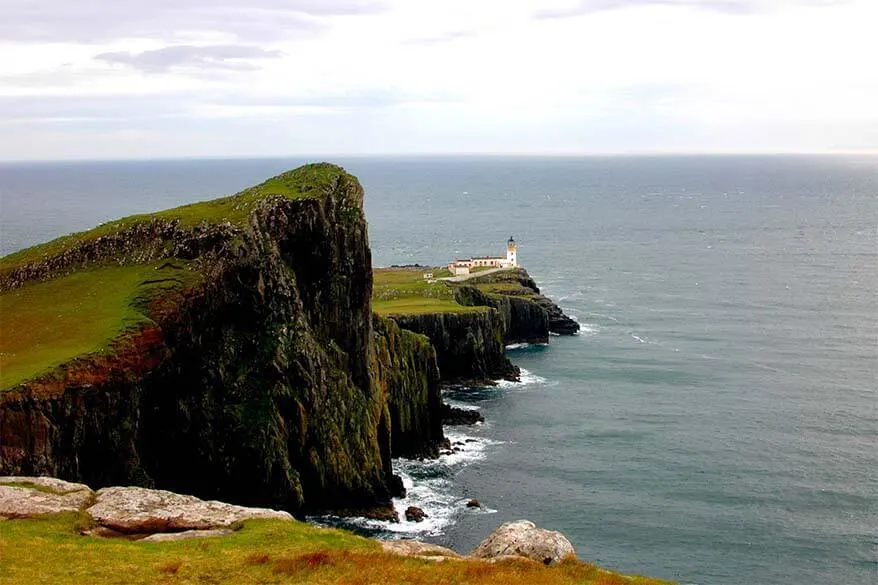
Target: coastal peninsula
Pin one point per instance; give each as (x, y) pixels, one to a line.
(243, 350)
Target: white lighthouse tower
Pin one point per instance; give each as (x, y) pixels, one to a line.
(511, 253)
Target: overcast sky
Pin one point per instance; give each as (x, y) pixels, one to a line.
(175, 78)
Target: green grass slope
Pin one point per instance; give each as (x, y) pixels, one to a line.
(45, 324)
(50, 550)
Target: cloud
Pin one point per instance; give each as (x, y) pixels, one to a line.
(96, 21)
(440, 39)
(581, 7)
(212, 57)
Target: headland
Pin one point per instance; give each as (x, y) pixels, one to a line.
(243, 350)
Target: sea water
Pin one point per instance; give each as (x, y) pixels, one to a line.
(715, 422)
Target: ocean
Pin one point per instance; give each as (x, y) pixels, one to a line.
(715, 422)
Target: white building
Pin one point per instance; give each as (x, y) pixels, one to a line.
(464, 267)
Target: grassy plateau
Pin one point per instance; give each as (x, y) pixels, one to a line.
(405, 291)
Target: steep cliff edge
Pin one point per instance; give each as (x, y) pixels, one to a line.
(468, 340)
(408, 372)
(469, 345)
(514, 292)
(524, 320)
(240, 367)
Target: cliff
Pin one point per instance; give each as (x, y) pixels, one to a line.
(407, 371)
(239, 366)
(524, 320)
(469, 345)
(515, 293)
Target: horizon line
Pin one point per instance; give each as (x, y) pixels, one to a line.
(327, 156)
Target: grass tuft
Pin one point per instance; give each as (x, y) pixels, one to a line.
(170, 568)
(303, 563)
(257, 558)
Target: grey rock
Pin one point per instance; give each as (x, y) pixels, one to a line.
(522, 538)
(19, 500)
(187, 535)
(140, 510)
(423, 550)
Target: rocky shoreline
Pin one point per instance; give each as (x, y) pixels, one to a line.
(262, 376)
(151, 516)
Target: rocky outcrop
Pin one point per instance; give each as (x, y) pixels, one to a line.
(407, 371)
(524, 320)
(415, 514)
(469, 345)
(134, 510)
(26, 497)
(421, 550)
(188, 535)
(254, 386)
(518, 284)
(523, 538)
(452, 415)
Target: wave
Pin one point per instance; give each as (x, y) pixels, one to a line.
(526, 378)
(429, 486)
(523, 345)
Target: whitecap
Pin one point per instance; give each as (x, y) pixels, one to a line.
(429, 487)
(525, 377)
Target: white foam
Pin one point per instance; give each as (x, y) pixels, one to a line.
(429, 486)
(588, 329)
(526, 378)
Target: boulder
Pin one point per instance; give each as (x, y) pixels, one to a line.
(25, 497)
(415, 514)
(452, 415)
(423, 550)
(139, 510)
(474, 504)
(187, 535)
(522, 538)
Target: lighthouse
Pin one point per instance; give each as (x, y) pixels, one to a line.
(511, 253)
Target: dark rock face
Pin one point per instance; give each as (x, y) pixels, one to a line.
(256, 388)
(522, 326)
(407, 371)
(469, 345)
(451, 415)
(524, 321)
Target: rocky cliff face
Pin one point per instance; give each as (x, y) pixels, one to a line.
(254, 386)
(469, 345)
(407, 370)
(524, 321)
(517, 284)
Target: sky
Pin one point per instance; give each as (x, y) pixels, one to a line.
(104, 79)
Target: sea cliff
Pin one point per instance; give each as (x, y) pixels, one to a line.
(248, 373)
(229, 349)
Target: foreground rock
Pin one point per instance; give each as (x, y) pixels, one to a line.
(522, 538)
(423, 550)
(25, 497)
(134, 510)
(188, 535)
